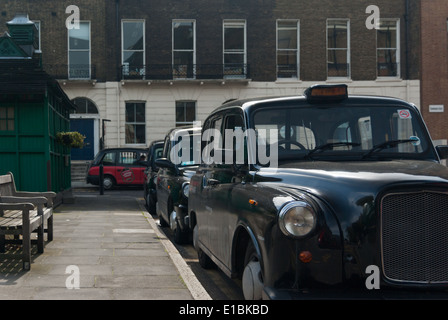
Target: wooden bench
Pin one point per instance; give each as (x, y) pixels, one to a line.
(22, 213)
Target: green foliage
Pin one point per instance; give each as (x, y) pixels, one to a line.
(71, 139)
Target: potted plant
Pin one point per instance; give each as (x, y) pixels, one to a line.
(71, 139)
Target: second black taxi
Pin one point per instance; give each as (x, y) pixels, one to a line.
(178, 163)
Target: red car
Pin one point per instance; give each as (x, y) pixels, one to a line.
(121, 166)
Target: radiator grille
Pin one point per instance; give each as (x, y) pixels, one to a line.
(414, 230)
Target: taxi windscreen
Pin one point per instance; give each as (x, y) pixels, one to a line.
(360, 132)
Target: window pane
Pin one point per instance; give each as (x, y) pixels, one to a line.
(287, 57)
(133, 35)
(183, 58)
(387, 63)
(133, 58)
(79, 57)
(183, 35)
(130, 113)
(337, 34)
(234, 59)
(337, 63)
(140, 134)
(190, 113)
(287, 39)
(234, 38)
(139, 112)
(79, 38)
(387, 35)
(79, 64)
(130, 133)
(185, 112)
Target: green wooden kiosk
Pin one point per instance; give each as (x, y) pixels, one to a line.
(33, 109)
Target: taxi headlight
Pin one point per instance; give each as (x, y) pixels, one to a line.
(186, 189)
(297, 219)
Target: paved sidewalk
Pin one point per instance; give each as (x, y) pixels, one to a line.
(117, 249)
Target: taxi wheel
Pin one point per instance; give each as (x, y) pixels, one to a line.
(204, 260)
(252, 281)
(108, 182)
(150, 204)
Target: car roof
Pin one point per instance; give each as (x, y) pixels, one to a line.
(124, 149)
(186, 129)
(247, 104)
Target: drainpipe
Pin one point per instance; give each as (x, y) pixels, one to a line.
(406, 19)
(118, 59)
(407, 38)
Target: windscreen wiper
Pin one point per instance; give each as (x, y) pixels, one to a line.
(386, 145)
(331, 145)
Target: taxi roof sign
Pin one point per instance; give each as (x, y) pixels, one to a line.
(321, 93)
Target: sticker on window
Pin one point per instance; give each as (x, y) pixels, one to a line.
(416, 140)
(404, 114)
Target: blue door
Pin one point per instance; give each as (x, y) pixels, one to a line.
(85, 127)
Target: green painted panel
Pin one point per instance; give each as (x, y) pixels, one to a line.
(31, 119)
(31, 144)
(8, 163)
(8, 143)
(33, 172)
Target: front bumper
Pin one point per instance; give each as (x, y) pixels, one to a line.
(270, 293)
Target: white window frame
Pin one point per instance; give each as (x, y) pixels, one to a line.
(135, 123)
(398, 48)
(297, 76)
(349, 65)
(80, 50)
(184, 102)
(234, 24)
(141, 71)
(193, 21)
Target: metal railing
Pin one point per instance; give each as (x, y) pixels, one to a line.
(184, 71)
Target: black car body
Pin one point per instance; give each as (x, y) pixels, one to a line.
(358, 200)
(149, 188)
(176, 166)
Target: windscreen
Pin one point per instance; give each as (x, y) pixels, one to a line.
(358, 132)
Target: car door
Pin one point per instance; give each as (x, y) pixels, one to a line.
(129, 169)
(163, 176)
(220, 187)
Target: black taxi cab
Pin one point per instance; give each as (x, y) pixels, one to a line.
(177, 164)
(322, 193)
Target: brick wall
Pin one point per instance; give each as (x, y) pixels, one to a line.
(54, 35)
(260, 16)
(434, 85)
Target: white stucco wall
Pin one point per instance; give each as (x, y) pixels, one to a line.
(160, 98)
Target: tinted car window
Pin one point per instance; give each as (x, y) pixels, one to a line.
(109, 159)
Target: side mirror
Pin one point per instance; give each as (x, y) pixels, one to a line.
(442, 151)
(164, 163)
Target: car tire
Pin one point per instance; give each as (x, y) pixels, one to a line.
(108, 182)
(252, 282)
(180, 237)
(204, 260)
(150, 204)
